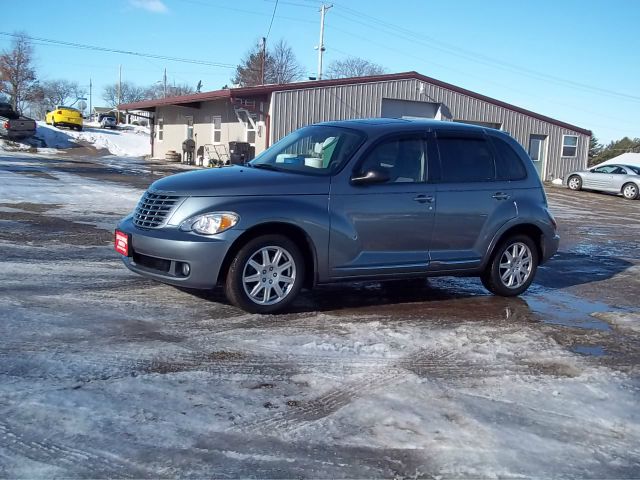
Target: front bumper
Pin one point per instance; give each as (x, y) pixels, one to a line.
(161, 253)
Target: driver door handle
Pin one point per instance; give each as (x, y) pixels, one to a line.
(501, 196)
(424, 198)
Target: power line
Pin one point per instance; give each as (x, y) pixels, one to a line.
(123, 52)
(406, 34)
(273, 15)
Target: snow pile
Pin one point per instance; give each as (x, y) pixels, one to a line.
(131, 141)
(126, 143)
(557, 181)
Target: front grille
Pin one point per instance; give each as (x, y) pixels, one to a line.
(153, 209)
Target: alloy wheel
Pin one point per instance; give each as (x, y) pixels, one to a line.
(269, 275)
(515, 265)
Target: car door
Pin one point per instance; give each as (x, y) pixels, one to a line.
(618, 178)
(473, 202)
(383, 228)
(599, 178)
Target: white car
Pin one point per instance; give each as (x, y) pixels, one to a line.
(620, 179)
(108, 122)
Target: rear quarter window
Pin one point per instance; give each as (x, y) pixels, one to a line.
(509, 165)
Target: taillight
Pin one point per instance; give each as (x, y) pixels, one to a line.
(6, 125)
(59, 112)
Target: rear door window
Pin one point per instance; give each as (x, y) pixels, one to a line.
(465, 159)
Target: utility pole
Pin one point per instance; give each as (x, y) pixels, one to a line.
(119, 93)
(264, 54)
(120, 85)
(164, 80)
(323, 10)
(90, 97)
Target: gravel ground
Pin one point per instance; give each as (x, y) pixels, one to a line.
(107, 374)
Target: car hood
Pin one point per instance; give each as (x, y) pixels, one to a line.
(240, 181)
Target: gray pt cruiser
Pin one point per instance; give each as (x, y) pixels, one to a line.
(351, 200)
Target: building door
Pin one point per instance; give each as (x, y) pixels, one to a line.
(538, 151)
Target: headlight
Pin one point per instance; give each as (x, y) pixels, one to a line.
(210, 223)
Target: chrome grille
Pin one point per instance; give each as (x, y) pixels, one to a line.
(153, 209)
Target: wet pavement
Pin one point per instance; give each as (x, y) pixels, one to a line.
(107, 374)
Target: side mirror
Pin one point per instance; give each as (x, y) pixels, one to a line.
(373, 175)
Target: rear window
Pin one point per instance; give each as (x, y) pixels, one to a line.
(508, 163)
(466, 159)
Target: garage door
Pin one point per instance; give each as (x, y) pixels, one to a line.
(392, 108)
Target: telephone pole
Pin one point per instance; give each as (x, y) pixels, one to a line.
(264, 53)
(164, 80)
(323, 10)
(90, 97)
(119, 84)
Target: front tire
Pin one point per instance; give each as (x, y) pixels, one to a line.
(266, 274)
(630, 191)
(574, 183)
(512, 268)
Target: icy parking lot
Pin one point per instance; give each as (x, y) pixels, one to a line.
(106, 374)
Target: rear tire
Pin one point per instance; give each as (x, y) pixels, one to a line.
(266, 275)
(512, 267)
(574, 182)
(630, 191)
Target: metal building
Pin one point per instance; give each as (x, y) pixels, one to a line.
(262, 115)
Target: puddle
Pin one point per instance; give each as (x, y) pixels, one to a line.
(589, 350)
(556, 308)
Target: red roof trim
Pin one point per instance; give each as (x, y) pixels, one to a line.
(269, 89)
(181, 100)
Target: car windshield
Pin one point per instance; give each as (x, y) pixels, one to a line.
(316, 150)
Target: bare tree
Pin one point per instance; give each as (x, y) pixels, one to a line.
(283, 65)
(129, 93)
(157, 91)
(280, 66)
(353, 67)
(17, 73)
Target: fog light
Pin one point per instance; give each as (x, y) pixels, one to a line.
(186, 269)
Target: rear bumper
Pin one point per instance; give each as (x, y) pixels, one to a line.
(162, 253)
(550, 245)
(19, 134)
(68, 124)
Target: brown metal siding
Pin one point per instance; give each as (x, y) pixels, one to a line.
(293, 109)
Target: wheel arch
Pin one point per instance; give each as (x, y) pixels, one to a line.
(529, 229)
(293, 232)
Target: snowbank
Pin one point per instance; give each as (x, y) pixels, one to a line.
(131, 141)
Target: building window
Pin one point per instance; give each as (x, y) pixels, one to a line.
(216, 121)
(189, 127)
(251, 131)
(569, 145)
(160, 129)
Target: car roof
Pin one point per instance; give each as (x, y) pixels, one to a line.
(390, 125)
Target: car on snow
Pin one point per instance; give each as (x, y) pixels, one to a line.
(351, 200)
(65, 117)
(108, 122)
(619, 179)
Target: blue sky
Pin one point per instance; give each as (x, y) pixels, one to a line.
(573, 60)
